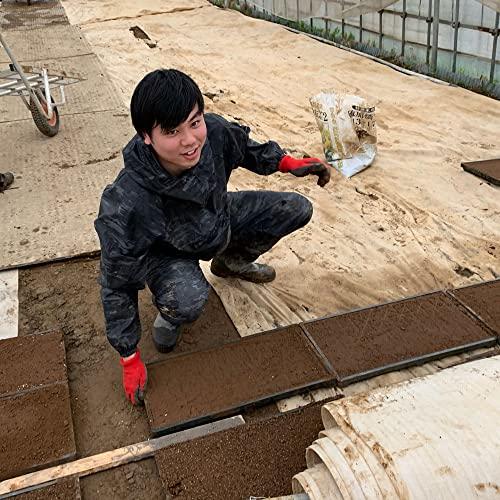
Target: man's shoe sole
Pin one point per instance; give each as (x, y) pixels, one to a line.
(166, 348)
(162, 348)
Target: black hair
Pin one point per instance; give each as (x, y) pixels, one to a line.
(164, 97)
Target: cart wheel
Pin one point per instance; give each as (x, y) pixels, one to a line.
(45, 126)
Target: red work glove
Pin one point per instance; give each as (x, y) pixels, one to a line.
(134, 378)
(306, 166)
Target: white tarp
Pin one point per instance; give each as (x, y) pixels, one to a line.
(408, 224)
(9, 303)
(433, 437)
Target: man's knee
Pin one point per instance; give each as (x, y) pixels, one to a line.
(299, 208)
(184, 303)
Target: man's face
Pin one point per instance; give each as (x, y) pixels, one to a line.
(180, 149)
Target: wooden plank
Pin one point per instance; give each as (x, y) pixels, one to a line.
(114, 458)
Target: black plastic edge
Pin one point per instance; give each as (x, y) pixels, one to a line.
(246, 338)
(480, 173)
(234, 410)
(374, 306)
(320, 354)
(470, 312)
(418, 360)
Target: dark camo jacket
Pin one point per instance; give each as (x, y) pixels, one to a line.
(147, 210)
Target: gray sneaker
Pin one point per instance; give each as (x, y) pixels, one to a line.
(254, 272)
(165, 335)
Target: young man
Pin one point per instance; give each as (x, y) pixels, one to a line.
(169, 208)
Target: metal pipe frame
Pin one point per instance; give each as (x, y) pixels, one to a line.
(380, 28)
(435, 35)
(404, 15)
(455, 25)
(428, 21)
(494, 49)
(433, 21)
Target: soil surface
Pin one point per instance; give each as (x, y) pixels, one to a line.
(484, 300)
(66, 296)
(392, 333)
(64, 490)
(487, 169)
(37, 430)
(257, 459)
(133, 481)
(43, 362)
(215, 381)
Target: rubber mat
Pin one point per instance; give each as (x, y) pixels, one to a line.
(43, 43)
(49, 212)
(16, 15)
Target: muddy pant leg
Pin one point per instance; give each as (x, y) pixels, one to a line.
(179, 289)
(259, 219)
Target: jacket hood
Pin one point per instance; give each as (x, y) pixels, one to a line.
(193, 185)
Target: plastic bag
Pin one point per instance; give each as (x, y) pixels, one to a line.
(348, 131)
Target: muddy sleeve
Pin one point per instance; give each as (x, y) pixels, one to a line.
(124, 249)
(241, 150)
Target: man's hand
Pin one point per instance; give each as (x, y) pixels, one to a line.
(134, 377)
(306, 166)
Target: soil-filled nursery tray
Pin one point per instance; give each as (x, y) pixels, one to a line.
(378, 339)
(198, 387)
(68, 489)
(484, 300)
(487, 169)
(31, 361)
(257, 459)
(36, 430)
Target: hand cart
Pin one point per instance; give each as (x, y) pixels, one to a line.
(34, 87)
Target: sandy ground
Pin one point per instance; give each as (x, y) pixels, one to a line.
(413, 222)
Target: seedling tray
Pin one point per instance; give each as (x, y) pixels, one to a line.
(196, 388)
(488, 170)
(374, 340)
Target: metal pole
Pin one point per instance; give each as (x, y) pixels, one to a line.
(298, 7)
(361, 29)
(456, 25)
(429, 20)
(327, 28)
(494, 50)
(403, 30)
(380, 28)
(435, 35)
(311, 13)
